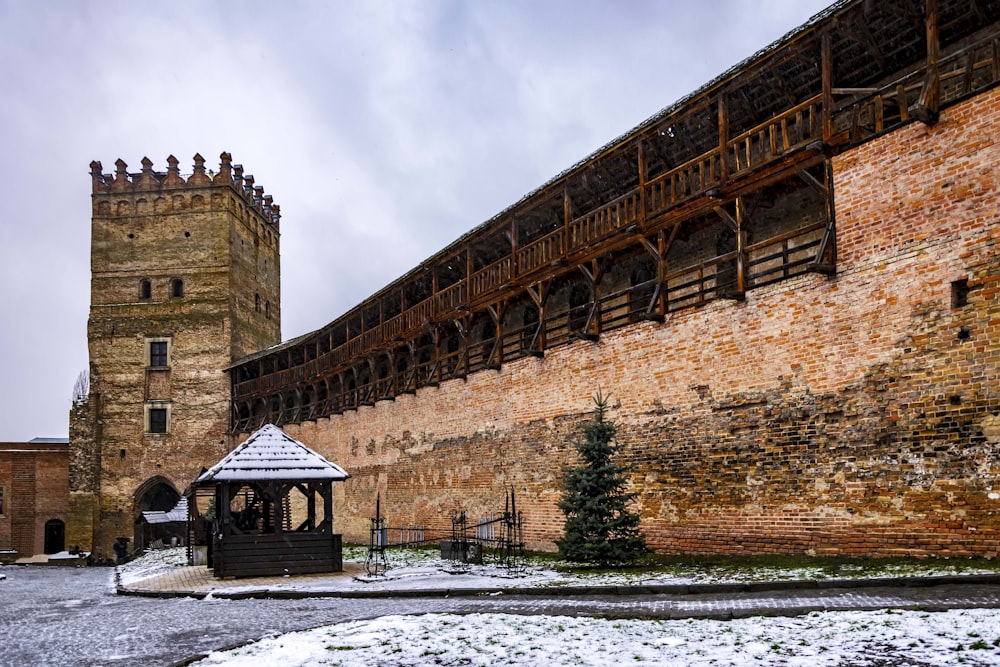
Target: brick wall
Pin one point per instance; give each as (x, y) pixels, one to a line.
(36, 484)
(854, 414)
(224, 247)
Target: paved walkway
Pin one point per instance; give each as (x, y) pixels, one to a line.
(198, 580)
(719, 601)
(59, 616)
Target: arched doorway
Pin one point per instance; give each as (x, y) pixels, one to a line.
(156, 494)
(55, 536)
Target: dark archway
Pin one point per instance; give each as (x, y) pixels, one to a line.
(155, 494)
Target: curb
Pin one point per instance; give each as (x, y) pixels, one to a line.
(582, 591)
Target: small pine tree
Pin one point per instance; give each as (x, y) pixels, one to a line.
(599, 528)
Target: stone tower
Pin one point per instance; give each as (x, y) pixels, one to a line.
(185, 280)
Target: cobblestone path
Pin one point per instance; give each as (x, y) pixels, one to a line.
(60, 616)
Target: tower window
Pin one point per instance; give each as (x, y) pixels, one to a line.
(157, 420)
(176, 288)
(145, 289)
(267, 310)
(256, 302)
(158, 352)
(157, 417)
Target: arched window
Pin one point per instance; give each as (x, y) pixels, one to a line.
(176, 288)
(145, 289)
(267, 310)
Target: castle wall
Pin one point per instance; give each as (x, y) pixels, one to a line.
(855, 414)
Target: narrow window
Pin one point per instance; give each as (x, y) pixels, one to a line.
(157, 420)
(267, 310)
(256, 302)
(176, 288)
(145, 289)
(960, 293)
(3, 500)
(158, 354)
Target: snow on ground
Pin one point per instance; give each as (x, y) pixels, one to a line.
(968, 637)
(876, 639)
(152, 563)
(424, 569)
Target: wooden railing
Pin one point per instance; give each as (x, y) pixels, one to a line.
(683, 183)
(783, 134)
(492, 277)
(604, 221)
(541, 252)
(857, 115)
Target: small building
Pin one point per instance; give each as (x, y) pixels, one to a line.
(273, 508)
(34, 492)
(164, 527)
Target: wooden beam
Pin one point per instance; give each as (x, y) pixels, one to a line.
(723, 118)
(539, 295)
(927, 107)
(731, 222)
(811, 180)
(826, 71)
(826, 254)
(741, 245)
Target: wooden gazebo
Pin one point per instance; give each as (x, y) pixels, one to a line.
(267, 515)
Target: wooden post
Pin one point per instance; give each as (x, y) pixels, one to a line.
(741, 245)
(723, 141)
(927, 108)
(567, 219)
(328, 505)
(643, 177)
(826, 56)
(515, 268)
(311, 507)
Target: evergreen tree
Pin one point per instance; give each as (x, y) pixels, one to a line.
(599, 526)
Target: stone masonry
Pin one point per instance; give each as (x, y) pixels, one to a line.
(185, 280)
(853, 414)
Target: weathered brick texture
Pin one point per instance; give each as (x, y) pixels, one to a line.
(36, 487)
(856, 414)
(216, 236)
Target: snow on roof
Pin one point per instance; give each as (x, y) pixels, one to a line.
(270, 454)
(178, 513)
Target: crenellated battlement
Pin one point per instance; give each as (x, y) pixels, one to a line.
(150, 181)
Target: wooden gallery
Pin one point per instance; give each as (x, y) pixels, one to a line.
(788, 281)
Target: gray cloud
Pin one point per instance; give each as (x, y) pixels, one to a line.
(384, 130)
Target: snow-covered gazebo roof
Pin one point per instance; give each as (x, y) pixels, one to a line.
(270, 454)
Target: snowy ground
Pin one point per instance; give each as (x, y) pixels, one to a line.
(423, 569)
(876, 639)
(969, 637)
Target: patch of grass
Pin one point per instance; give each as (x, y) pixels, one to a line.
(769, 567)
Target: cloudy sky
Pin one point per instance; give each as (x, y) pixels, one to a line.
(385, 129)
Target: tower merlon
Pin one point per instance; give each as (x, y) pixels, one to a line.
(150, 181)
